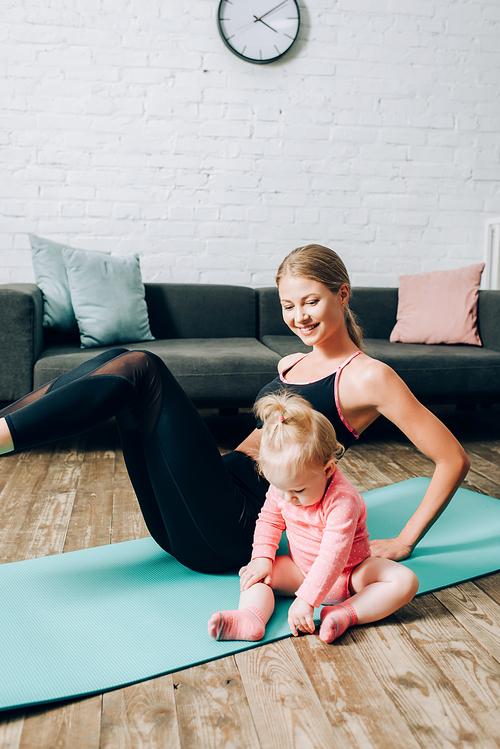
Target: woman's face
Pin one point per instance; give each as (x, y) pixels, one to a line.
(310, 309)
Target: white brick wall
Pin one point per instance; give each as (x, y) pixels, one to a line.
(127, 125)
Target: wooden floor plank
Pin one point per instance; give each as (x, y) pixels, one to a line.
(477, 612)
(73, 725)
(128, 522)
(466, 665)
(212, 707)
(408, 458)
(91, 516)
(434, 711)
(491, 585)
(19, 495)
(286, 710)
(50, 513)
(381, 455)
(359, 469)
(488, 468)
(352, 697)
(11, 729)
(487, 450)
(8, 464)
(477, 482)
(141, 716)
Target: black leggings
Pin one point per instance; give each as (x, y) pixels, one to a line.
(198, 506)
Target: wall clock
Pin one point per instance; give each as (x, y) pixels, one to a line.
(258, 31)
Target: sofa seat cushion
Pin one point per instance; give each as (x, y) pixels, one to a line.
(442, 373)
(209, 369)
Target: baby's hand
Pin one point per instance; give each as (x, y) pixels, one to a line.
(256, 571)
(300, 617)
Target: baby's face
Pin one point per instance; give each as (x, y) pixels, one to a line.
(305, 488)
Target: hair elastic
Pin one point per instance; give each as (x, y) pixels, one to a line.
(282, 418)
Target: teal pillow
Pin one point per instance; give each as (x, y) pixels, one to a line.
(108, 298)
(51, 277)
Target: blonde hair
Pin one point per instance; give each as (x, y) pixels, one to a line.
(321, 264)
(294, 434)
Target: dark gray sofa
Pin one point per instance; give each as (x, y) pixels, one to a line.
(207, 334)
(223, 344)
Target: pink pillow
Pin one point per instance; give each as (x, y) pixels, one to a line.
(439, 307)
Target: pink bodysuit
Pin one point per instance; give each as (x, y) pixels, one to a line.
(326, 540)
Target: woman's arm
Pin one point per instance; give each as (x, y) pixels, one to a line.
(389, 395)
(251, 444)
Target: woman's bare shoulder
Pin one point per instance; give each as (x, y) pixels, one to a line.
(368, 366)
(289, 361)
(368, 377)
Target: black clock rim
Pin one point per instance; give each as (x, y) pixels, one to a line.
(252, 59)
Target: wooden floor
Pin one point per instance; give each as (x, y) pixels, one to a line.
(429, 676)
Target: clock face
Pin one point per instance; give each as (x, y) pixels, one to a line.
(259, 30)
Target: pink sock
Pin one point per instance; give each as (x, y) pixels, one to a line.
(335, 620)
(242, 624)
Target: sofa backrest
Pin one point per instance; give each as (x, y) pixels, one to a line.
(270, 319)
(375, 310)
(178, 310)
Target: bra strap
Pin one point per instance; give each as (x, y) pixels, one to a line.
(336, 390)
(346, 362)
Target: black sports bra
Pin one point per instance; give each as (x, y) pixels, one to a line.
(323, 395)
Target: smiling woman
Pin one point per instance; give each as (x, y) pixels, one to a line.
(258, 31)
(350, 388)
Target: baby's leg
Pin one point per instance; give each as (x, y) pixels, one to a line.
(249, 621)
(256, 605)
(380, 587)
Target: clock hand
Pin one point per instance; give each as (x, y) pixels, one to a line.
(265, 24)
(272, 9)
(246, 26)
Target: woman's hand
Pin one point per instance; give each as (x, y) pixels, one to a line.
(300, 617)
(257, 571)
(390, 548)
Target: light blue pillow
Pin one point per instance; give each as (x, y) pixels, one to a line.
(51, 277)
(108, 298)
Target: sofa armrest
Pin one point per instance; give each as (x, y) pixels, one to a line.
(488, 315)
(21, 337)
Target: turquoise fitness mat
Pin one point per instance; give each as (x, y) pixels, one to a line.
(93, 620)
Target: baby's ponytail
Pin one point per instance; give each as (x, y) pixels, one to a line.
(294, 434)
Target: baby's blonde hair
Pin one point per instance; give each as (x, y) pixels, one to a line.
(294, 434)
